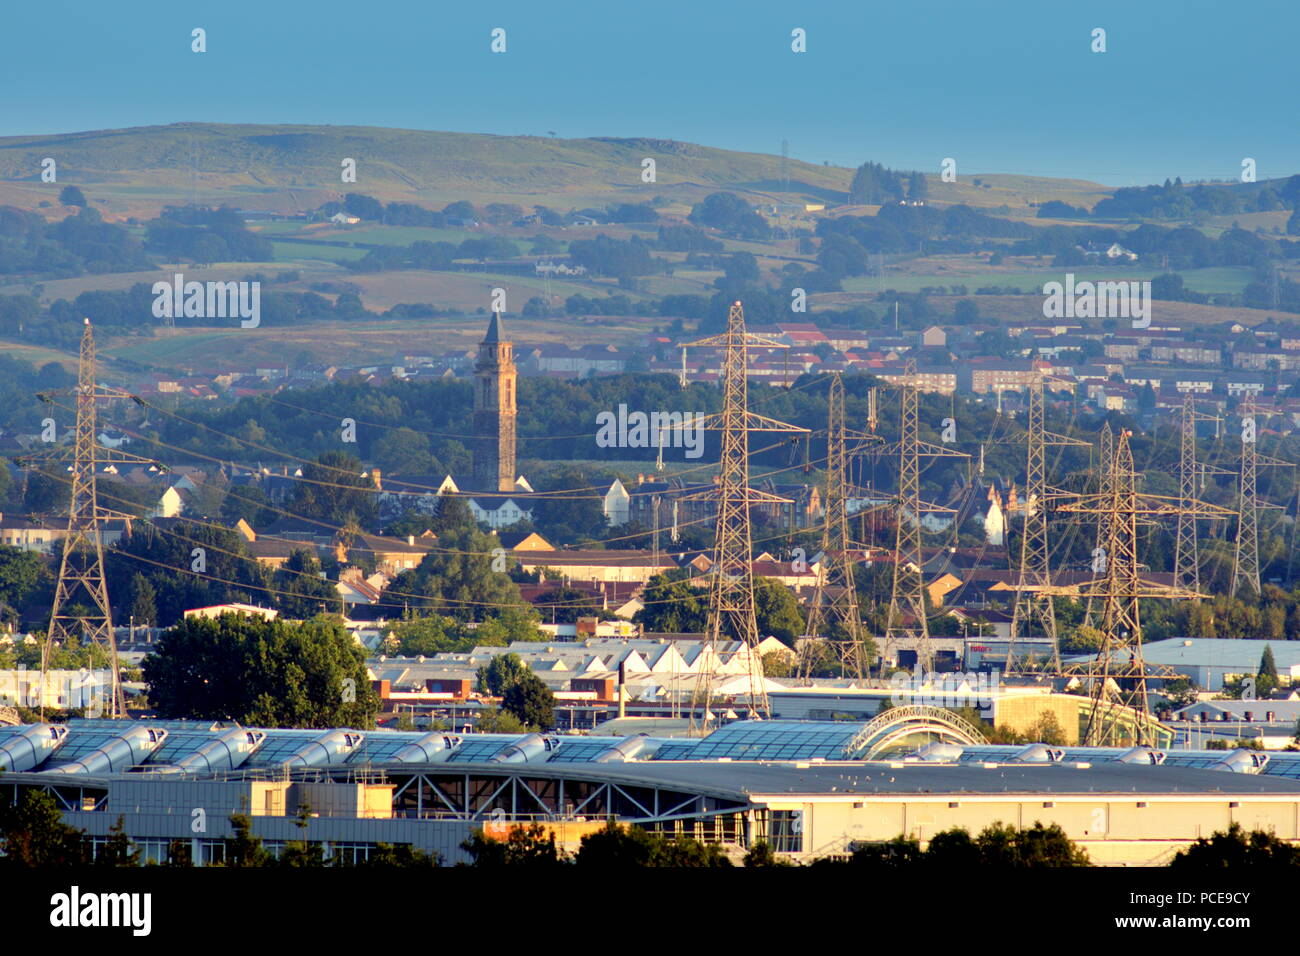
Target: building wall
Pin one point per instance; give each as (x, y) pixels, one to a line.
(1114, 830)
(1019, 713)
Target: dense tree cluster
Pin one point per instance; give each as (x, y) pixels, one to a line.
(998, 845)
(1174, 200)
(261, 673)
(202, 235)
(731, 215)
(81, 243)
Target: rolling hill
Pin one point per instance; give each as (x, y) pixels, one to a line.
(287, 168)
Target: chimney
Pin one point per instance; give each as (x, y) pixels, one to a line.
(622, 693)
(377, 477)
(410, 539)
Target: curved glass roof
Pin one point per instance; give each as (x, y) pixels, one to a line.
(582, 749)
(771, 740)
(743, 740)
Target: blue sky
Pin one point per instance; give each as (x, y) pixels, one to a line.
(1186, 87)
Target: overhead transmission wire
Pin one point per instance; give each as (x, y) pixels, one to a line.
(556, 494)
(436, 550)
(435, 601)
(357, 488)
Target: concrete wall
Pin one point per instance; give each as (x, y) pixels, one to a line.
(1114, 830)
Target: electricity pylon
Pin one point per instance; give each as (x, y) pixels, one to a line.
(1032, 604)
(1245, 566)
(81, 607)
(731, 614)
(1119, 673)
(835, 602)
(907, 596)
(1105, 475)
(1187, 558)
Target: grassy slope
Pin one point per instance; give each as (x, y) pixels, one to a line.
(296, 167)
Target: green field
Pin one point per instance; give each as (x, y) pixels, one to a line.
(287, 250)
(1213, 279)
(395, 235)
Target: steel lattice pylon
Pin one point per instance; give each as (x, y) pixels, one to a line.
(81, 572)
(1105, 480)
(731, 614)
(835, 602)
(1032, 605)
(1245, 568)
(1119, 673)
(1187, 560)
(907, 595)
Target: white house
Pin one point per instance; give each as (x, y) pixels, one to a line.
(617, 504)
(170, 505)
(498, 511)
(244, 610)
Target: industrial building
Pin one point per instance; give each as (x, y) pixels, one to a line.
(811, 789)
(1209, 662)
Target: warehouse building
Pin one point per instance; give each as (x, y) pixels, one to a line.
(805, 787)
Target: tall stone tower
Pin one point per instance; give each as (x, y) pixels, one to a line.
(494, 412)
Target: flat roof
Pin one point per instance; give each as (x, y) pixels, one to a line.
(747, 781)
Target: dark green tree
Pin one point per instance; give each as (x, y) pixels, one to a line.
(144, 603)
(731, 214)
(301, 852)
(1266, 679)
(532, 845)
(501, 673)
(761, 854)
(263, 673)
(302, 590)
(332, 490)
(673, 605)
(245, 848)
(461, 579)
(616, 846)
(1036, 846)
(898, 852)
(777, 610)
(531, 701)
(33, 834)
(403, 856)
(1235, 849)
(119, 849)
(953, 848)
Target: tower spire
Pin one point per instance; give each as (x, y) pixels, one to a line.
(494, 411)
